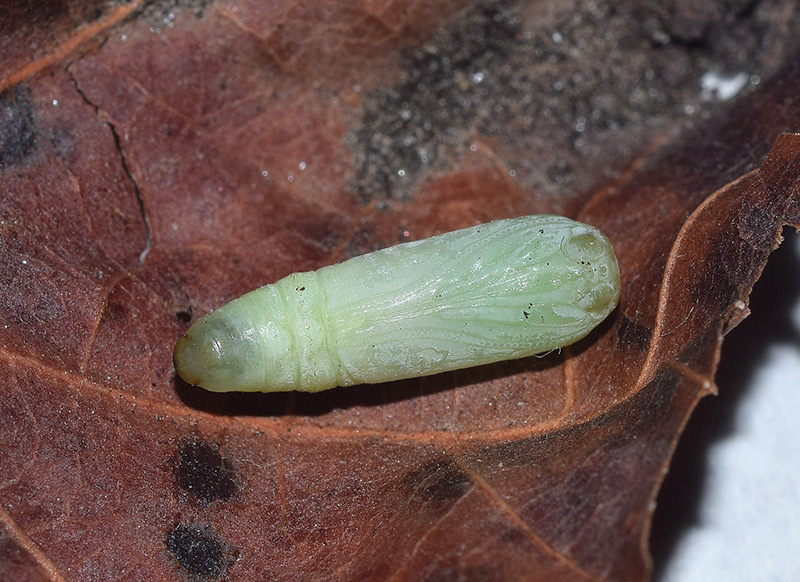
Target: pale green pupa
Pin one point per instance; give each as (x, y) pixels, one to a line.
(497, 291)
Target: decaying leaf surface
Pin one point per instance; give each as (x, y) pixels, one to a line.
(171, 161)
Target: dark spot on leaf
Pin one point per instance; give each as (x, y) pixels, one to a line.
(184, 315)
(514, 536)
(199, 551)
(633, 334)
(202, 471)
(440, 483)
(527, 314)
(17, 135)
(701, 350)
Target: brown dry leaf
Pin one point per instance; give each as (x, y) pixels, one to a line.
(157, 160)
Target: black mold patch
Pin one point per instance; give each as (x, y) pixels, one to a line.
(17, 134)
(199, 551)
(408, 129)
(202, 471)
(565, 95)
